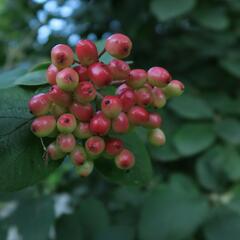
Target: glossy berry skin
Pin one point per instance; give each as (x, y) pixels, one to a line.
(43, 126)
(57, 110)
(94, 146)
(119, 69)
(125, 160)
(157, 137)
(85, 169)
(66, 142)
(85, 92)
(59, 97)
(82, 73)
(78, 155)
(155, 121)
(66, 123)
(82, 112)
(114, 146)
(121, 123)
(82, 131)
(158, 98)
(62, 56)
(87, 52)
(54, 152)
(128, 99)
(118, 45)
(122, 88)
(100, 124)
(67, 79)
(138, 115)
(158, 77)
(39, 104)
(143, 96)
(174, 89)
(111, 106)
(137, 78)
(52, 72)
(99, 74)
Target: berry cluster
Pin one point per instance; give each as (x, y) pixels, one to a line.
(69, 111)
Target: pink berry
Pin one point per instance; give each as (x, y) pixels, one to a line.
(59, 97)
(85, 92)
(137, 78)
(121, 123)
(111, 106)
(85, 169)
(122, 88)
(82, 131)
(39, 104)
(114, 146)
(66, 142)
(54, 152)
(82, 112)
(51, 74)
(82, 73)
(155, 121)
(158, 98)
(118, 45)
(95, 146)
(87, 52)
(157, 137)
(138, 115)
(143, 96)
(128, 100)
(78, 155)
(174, 89)
(66, 123)
(100, 124)
(158, 77)
(125, 160)
(119, 69)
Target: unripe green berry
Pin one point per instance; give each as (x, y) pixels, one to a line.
(157, 137)
(57, 110)
(85, 169)
(174, 89)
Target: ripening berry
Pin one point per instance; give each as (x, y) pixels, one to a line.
(121, 123)
(158, 98)
(158, 77)
(82, 73)
(67, 79)
(62, 56)
(100, 124)
(125, 160)
(174, 89)
(43, 126)
(137, 78)
(39, 104)
(143, 96)
(114, 146)
(52, 72)
(78, 155)
(119, 69)
(155, 121)
(66, 123)
(82, 112)
(57, 110)
(111, 106)
(118, 45)
(138, 115)
(99, 74)
(122, 88)
(94, 146)
(157, 137)
(59, 97)
(54, 152)
(87, 52)
(82, 131)
(85, 92)
(86, 169)
(128, 99)
(66, 142)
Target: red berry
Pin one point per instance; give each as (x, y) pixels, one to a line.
(128, 100)
(174, 89)
(54, 151)
(62, 56)
(114, 146)
(82, 112)
(118, 45)
(66, 123)
(125, 160)
(157, 137)
(158, 76)
(66, 142)
(138, 115)
(67, 79)
(100, 124)
(82, 73)
(155, 121)
(121, 123)
(43, 126)
(122, 88)
(39, 104)
(78, 155)
(158, 98)
(100, 74)
(119, 69)
(85, 92)
(143, 96)
(87, 52)
(82, 131)
(111, 106)
(85, 169)
(51, 74)
(137, 78)
(95, 146)
(59, 97)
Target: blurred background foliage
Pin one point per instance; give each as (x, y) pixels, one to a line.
(195, 192)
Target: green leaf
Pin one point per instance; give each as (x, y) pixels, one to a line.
(167, 9)
(32, 78)
(161, 213)
(140, 174)
(40, 66)
(193, 138)
(191, 107)
(21, 152)
(106, 57)
(229, 130)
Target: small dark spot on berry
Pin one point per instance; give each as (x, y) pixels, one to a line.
(107, 102)
(90, 91)
(66, 120)
(125, 49)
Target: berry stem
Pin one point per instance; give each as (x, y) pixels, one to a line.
(43, 145)
(100, 95)
(76, 61)
(101, 53)
(129, 62)
(118, 82)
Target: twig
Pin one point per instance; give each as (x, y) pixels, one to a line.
(101, 53)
